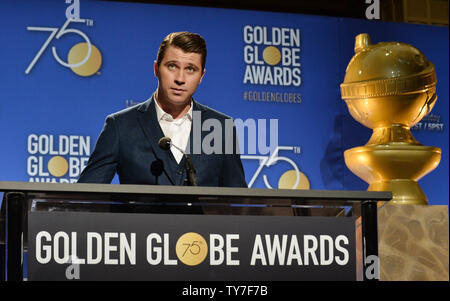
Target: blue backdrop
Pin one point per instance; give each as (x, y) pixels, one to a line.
(260, 66)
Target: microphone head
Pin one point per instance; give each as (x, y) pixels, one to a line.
(164, 143)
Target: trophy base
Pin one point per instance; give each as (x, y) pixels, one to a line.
(403, 192)
(394, 167)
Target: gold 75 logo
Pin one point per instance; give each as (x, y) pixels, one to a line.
(83, 59)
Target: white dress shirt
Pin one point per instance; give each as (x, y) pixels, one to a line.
(176, 129)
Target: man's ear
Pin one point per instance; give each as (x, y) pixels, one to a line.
(203, 74)
(156, 68)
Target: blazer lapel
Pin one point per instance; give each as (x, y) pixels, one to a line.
(193, 150)
(150, 125)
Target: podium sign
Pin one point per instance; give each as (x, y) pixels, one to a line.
(132, 246)
(185, 233)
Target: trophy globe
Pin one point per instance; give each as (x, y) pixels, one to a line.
(389, 87)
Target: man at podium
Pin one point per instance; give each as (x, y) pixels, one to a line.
(161, 141)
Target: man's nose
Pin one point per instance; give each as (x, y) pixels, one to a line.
(179, 78)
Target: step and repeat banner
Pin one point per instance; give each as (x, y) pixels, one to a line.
(276, 74)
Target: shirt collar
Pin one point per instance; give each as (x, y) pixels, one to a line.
(161, 114)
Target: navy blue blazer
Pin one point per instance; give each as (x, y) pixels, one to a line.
(128, 145)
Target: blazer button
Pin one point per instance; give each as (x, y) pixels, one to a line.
(180, 172)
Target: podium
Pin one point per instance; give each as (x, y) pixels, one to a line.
(236, 230)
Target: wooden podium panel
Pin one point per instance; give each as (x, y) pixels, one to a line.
(413, 243)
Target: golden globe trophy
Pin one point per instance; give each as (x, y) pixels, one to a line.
(389, 87)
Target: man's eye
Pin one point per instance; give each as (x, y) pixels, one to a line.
(190, 69)
(171, 66)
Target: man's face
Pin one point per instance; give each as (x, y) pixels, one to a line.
(179, 74)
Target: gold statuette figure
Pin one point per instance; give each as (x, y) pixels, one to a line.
(389, 87)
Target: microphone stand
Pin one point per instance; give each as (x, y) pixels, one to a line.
(190, 170)
(165, 143)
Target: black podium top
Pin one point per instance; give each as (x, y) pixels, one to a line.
(116, 192)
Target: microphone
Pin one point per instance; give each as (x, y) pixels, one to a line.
(165, 143)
